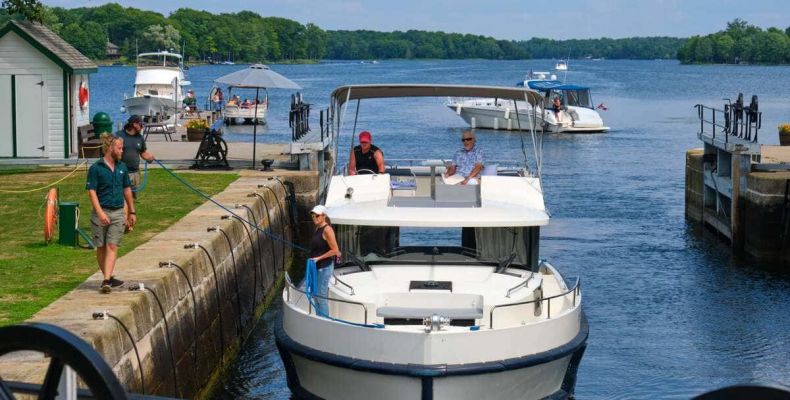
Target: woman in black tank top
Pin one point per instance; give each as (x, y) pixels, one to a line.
(324, 251)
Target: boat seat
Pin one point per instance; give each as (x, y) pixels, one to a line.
(420, 312)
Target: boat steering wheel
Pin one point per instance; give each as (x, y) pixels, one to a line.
(64, 349)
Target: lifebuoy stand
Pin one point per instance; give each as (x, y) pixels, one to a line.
(69, 228)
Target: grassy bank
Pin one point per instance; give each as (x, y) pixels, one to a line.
(34, 274)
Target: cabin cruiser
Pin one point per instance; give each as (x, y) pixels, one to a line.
(158, 87)
(480, 318)
(577, 116)
(561, 65)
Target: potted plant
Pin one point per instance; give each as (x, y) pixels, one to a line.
(784, 134)
(195, 129)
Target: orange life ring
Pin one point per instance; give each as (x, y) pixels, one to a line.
(50, 214)
(84, 95)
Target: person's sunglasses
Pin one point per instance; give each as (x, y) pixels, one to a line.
(466, 139)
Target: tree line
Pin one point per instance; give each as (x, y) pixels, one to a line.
(246, 37)
(739, 43)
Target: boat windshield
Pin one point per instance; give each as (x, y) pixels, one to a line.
(392, 244)
(578, 98)
(158, 60)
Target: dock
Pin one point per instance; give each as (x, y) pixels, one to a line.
(740, 188)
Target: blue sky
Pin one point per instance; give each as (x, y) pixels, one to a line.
(502, 19)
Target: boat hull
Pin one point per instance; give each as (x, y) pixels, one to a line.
(314, 374)
(494, 118)
(150, 106)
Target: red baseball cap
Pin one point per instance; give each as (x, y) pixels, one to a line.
(364, 137)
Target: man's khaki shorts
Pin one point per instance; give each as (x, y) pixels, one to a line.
(108, 234)
(135, 178)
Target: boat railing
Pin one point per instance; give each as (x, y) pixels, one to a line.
(338, 280)
(424, 166)
(521, 284)
(734, 120)
(575, 290)
(290, 286)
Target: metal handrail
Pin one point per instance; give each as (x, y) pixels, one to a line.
(519, 286)
(337, 280)
(289, 285)
(575, 289)
(739, 123)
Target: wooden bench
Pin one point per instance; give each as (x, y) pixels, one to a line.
(88, 146)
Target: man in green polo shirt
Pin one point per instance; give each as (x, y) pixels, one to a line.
(108, 186)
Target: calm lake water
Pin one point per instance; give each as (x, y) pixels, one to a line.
(672, 314)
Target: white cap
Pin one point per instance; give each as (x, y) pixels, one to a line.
(318, 210)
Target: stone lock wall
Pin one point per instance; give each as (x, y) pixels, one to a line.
(766, 221)
(200, 334)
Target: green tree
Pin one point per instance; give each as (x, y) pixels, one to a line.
(89, 38)
(160, 37)
(316, 42)
(32, 10)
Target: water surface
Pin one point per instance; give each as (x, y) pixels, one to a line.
(672, 313)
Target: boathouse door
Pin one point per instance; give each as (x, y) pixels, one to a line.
(6, 123)
(29, 118)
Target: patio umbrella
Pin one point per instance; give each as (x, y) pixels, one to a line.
(256, 76)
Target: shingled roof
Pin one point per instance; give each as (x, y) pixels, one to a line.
(52, 45)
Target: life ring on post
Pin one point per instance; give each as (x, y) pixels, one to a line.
(84, 95)
(50, 214)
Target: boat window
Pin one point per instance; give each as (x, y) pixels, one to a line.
(578, 98)
(404, 244)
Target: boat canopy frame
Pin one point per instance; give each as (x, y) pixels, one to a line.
(341, 96)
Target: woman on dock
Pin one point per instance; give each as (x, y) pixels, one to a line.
(324, 251)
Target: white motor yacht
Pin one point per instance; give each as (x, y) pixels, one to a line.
(561, 65)
(158, 87)
(480, 318)
(578, 114)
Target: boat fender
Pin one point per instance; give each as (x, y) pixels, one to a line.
(84, 95)
(50, 214)
(507, 112)
(458, 108)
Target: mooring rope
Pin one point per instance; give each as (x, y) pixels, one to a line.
(222, 206)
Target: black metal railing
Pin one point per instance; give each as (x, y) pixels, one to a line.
(735, 120)
(299, 117)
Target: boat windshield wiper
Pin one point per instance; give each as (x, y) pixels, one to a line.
(505, 263)
(354, 259)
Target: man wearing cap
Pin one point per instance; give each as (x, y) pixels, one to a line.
(190, 102)
(365, 158)
(134, 149)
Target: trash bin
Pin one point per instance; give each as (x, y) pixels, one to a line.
(101, 123)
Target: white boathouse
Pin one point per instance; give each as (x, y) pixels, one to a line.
(44, 92)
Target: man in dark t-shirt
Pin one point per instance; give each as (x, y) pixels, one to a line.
(134, 149)
(365, 158)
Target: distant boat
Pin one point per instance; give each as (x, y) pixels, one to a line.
(561, 65)
(228, 63)
(158, 86)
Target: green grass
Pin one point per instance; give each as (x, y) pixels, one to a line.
(34, 274)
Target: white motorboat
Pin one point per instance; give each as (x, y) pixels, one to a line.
(483, 318)
(238, 110)
(578, 114)
(158, 87)
(561, 65)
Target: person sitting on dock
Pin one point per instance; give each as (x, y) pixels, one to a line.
(108, 187)
(365, 158)
(467, 163)
(190, 103)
